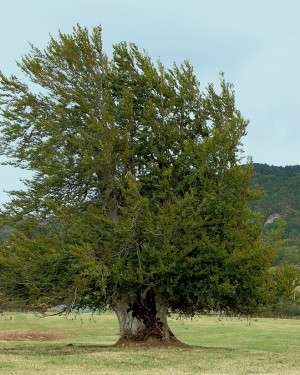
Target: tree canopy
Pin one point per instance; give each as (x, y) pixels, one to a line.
(138, 193)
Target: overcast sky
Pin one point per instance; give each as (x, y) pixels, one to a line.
(255, 42)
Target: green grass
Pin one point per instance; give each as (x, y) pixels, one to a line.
(225, 346)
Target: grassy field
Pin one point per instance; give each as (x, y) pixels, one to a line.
(82, 346)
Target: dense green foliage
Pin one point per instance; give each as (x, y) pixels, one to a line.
(137, 184)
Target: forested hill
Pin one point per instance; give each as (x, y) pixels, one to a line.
(282, 199)
(282, 187)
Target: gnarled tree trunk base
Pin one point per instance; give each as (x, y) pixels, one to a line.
(143, 321)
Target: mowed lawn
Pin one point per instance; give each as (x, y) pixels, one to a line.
(82, 345)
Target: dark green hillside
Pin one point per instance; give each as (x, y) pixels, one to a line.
(282, 198)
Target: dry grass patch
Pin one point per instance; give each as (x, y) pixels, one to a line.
(31, 335)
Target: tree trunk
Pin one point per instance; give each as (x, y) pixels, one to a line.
(143, 318)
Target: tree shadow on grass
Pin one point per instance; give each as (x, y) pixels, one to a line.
(51, 350)
(34, 349)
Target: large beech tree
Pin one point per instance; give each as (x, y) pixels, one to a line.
(138, 199)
